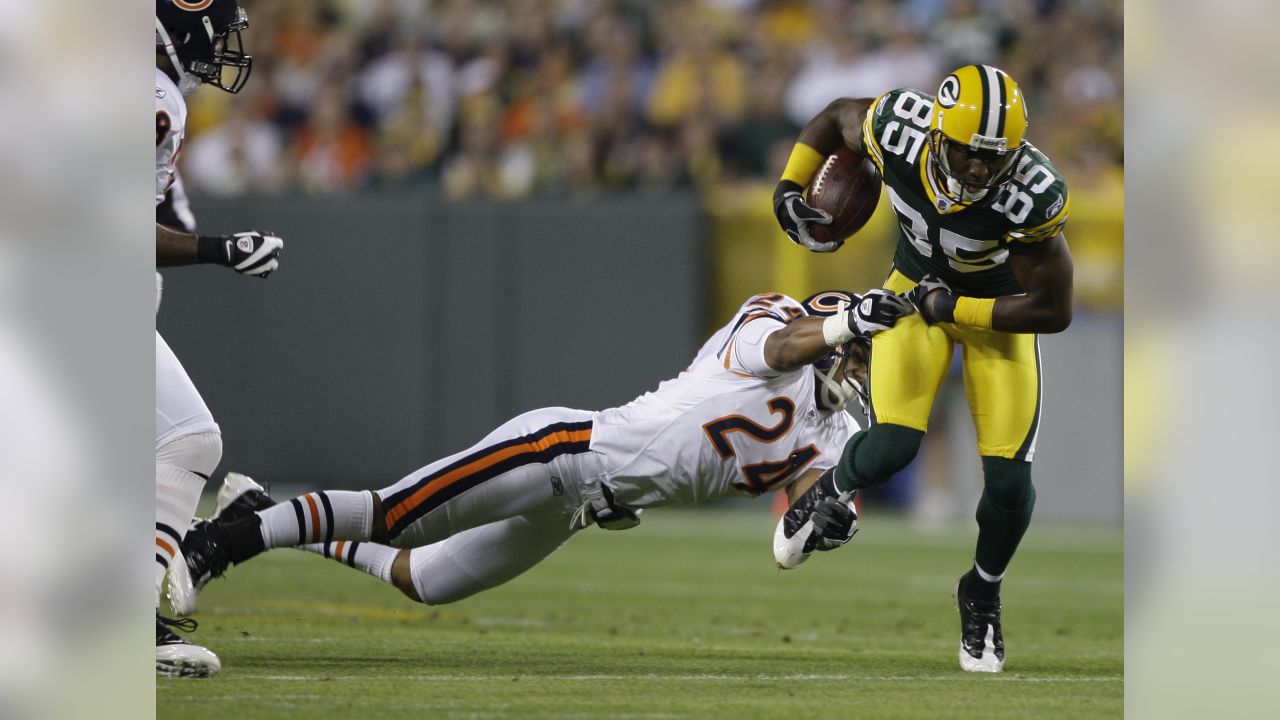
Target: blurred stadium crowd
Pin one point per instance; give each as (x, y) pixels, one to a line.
(528, 98)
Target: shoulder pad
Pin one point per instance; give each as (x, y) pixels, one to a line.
(1039, 183)
(782, 307)
(902, 106)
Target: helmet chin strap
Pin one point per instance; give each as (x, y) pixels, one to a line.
(187, 83)
(835, 395)
(957, 188)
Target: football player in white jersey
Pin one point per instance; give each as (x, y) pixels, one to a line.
(761, 407)
(197, 42)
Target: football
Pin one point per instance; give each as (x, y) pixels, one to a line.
(847, 186)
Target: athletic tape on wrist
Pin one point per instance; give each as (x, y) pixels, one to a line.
(835, 329)
(802, 165)
(975, 312)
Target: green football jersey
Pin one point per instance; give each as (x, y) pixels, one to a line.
(966, 246)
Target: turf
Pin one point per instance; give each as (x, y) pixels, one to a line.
(683, 617)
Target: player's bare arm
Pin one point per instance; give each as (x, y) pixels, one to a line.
(174, 248)
(1045, 271)
(839, 122)
(249, 253)
(802, 484)
(805, 340)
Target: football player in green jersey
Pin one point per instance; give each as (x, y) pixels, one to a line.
(982, 255)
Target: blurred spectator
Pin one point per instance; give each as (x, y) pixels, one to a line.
(242, 155)
(700, 75)
(410, 67)
(966, 35)
(332, 153)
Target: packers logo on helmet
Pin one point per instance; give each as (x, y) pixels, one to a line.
(980, 117)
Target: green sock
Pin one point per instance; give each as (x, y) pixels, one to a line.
(875, 454)
(1004, 511)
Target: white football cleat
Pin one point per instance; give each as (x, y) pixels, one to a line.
(179, 589)
(176, 657)
(242, 492)
(789, 551)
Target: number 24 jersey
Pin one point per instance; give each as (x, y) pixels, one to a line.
(728, 423)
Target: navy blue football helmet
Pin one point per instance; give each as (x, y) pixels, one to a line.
(202, 40)
(833, 394)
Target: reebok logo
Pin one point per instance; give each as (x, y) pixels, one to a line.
(557, 486)
(1056, 206)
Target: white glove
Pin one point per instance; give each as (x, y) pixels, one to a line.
(878, 311)
(255, 253)
(249, 253)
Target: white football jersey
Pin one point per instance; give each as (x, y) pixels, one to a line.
(171, 124)
(727, 423)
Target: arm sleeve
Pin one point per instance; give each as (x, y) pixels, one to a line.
(870, 144)
(746, 354)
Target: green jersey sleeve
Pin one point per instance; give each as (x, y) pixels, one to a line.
(1038, 201)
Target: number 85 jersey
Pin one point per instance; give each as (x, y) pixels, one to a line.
(965, 245)
(728, 424)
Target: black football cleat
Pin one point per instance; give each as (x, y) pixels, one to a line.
(176, 657)
(981, 641)
(201, 558)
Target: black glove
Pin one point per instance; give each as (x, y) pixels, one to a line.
(934, 299)
(835, 521)
(878, 310)
(604, 510)
(249, 253)
(794, 215)
(834, 518)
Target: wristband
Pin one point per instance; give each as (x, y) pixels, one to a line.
(974, 312)
(802, 165)
(213, 249)
(836, 331)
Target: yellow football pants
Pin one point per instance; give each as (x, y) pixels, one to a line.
(1001, 379)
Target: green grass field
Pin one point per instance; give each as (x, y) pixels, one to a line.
(683, 617)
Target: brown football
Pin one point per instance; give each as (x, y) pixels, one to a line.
(847, 186)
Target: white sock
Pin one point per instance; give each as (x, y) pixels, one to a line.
(318, 517)
(370, 557)
(177, 494)
(986, 575)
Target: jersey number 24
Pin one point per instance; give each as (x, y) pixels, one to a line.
(761, 477)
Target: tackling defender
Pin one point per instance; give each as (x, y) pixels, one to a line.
(760, 407)
(982, 255)
(196, 43)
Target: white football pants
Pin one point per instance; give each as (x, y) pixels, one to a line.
(496, 509)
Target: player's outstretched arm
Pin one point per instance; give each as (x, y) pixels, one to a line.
(806, 340)
(1046, 273)
(840, 121)
(249, 253)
